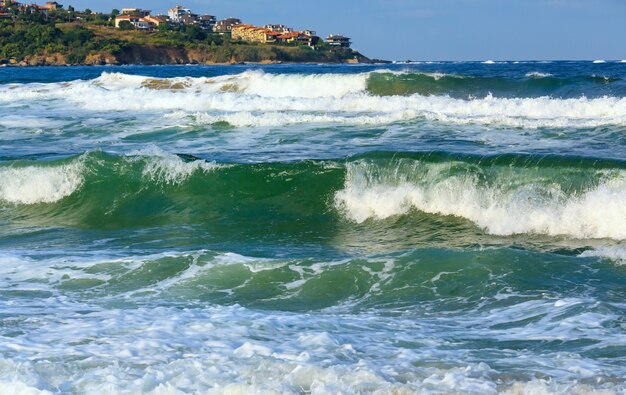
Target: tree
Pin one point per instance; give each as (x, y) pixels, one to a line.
(115, 12)
(164, 27)
(70, 8)
(125, 25)
(87, 11)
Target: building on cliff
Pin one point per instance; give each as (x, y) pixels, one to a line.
(53, 5)
(266, 35)
(140, 23)
(338, 40)
(254, 34)
(135, 12)
(278, 28)
(206, 22)
(226, 25)
(184, 16)
(177, 13)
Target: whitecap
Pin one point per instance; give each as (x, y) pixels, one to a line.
(599, 212)
(40, 184)
(538, 74)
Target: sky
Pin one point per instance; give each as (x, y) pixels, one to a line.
(433, 29)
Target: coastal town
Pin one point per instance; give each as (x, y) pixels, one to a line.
(177, 17)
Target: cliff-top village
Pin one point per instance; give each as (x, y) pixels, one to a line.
(140, 19)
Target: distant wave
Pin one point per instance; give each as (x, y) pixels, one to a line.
(255, 98)
(537, 74)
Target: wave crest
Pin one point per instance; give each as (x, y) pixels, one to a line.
(38, 184)
(501, 203)
(256, 98)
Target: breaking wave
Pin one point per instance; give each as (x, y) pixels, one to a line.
(256, 98)
(38, 184)
(501, 201)
(504, 195)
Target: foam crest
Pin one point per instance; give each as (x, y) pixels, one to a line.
(614, 253)
(502, 206)
(255, 98)
(256, 83)
(40, 184)
(538, 74)
(303, 86)
(168, 168)
(368, 110)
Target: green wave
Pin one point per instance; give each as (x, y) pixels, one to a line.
(432, 279)
(460, 86)
(316, 198)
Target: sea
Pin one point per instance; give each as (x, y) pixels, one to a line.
(414, 228)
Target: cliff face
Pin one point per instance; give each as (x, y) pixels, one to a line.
(153, 55)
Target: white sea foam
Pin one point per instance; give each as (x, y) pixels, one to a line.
(40, 184)
(369, 110)
(83, 345)
(537, 74)
(599, 61)
(614, 253)
(248, 82)
(489, 62)
(254, 98)
(217, 350)
(599, 212)
(165, 167)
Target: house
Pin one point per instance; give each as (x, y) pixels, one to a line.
(288, 37)
(206, 22)
(135, 12)
(161, 18)
(226, 25)
(338, 40)
(308, 39)
(278, 28)
(188, 19)
(177, 13)
(254, 34)
(5, 13)
(154, 21)
(138, 22)
(29, 8)
(53, 5)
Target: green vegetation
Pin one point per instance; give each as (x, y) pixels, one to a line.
(71, 37)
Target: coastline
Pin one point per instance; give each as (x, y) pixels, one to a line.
(140, 54)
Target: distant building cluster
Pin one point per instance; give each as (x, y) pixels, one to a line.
(5, 11)
(273, 34)
(180, 15)
(140, 19)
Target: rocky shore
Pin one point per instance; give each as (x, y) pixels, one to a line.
(164, 55)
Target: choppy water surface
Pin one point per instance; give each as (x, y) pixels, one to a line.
(426, 228)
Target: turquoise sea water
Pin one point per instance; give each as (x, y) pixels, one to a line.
(427, 228)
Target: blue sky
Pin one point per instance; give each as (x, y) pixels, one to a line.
(435, 29)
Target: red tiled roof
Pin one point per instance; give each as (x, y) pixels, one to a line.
(290, 35)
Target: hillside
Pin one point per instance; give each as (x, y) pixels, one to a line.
(39, 42)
